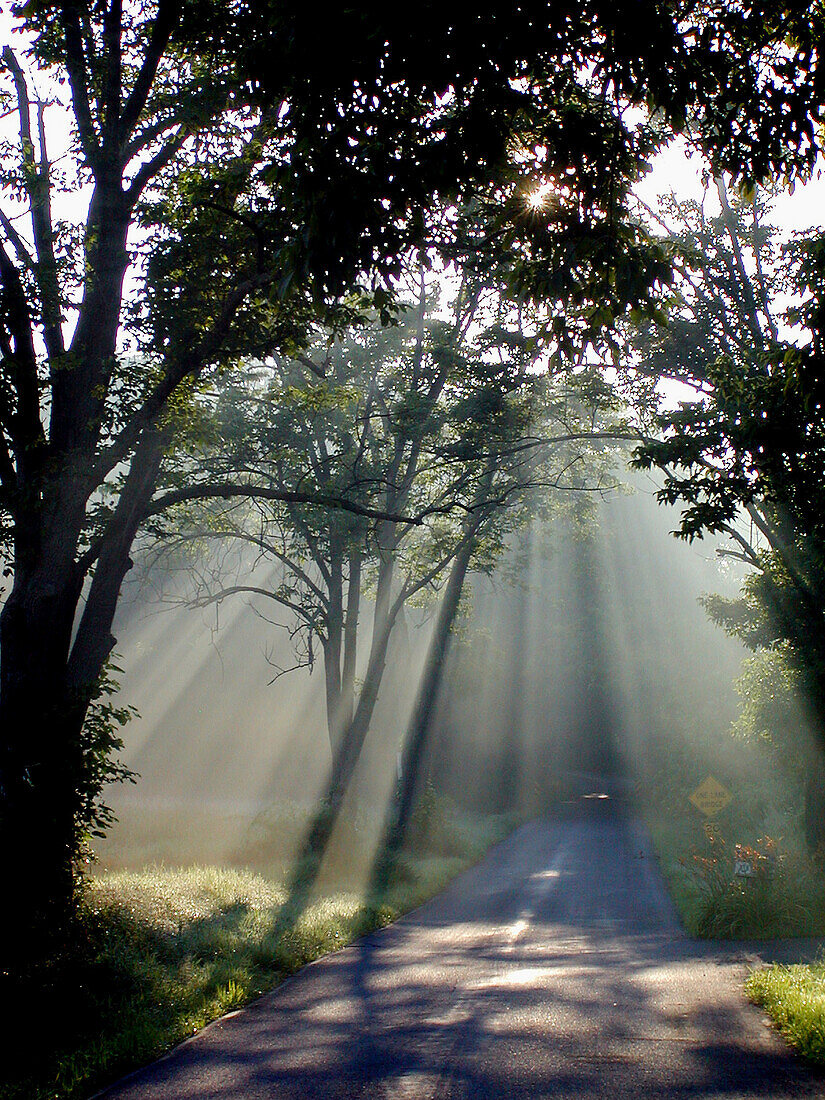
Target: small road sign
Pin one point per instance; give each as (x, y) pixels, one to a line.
(710, 797)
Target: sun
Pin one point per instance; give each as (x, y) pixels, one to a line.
(538, 198)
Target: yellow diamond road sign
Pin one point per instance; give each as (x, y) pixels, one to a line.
(710, 797)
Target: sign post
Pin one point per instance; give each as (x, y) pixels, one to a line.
(710, 797)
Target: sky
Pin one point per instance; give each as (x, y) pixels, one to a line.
(678, 170)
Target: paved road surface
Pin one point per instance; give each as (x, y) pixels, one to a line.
(556, 968)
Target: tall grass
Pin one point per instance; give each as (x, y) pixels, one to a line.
(788, 899)
(794, 998)
(163, 951)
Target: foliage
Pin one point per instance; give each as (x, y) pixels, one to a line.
(752, 433)
(166, 951)
(455, 90)
(731, 906)
(101, 743)
(750, 449)
(786, 895)
(772, 713)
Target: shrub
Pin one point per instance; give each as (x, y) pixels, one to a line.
(762, 904)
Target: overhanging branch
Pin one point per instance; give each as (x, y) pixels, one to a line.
(261, 492)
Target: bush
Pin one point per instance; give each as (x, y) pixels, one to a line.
(776, 899)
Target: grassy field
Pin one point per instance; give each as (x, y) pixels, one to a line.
(167, 950)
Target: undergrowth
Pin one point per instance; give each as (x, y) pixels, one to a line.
(783, 896)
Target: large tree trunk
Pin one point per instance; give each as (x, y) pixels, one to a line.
(41, 764)
(48, 675)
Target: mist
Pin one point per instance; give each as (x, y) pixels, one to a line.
(597, 659)
(585, 654)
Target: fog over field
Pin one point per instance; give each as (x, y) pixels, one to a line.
(583, 652)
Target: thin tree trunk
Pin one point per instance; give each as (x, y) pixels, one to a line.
(352, 739)
(333, 646)
(351, 637)
(420, 723)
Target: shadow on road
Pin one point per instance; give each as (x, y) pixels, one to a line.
(556, 968)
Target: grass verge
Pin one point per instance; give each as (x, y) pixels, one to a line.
(713, 903)
(163, 952)
(794, 998)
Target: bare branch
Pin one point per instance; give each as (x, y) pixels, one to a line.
(260, 492)
(78, 81)
(251, 590)
(748, 554)
(744, 282)
(263, 545)
(756, 245)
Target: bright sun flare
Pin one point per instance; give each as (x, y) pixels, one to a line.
(537, 198)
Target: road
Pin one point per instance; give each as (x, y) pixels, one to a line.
(556, 968)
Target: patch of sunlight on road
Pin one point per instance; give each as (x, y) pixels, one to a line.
(539, 886)
(411, 1086)
(528, 975)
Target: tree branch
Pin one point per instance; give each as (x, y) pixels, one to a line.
(168, 17)
(188, 365)
(155, 164)
(18, 244)
(113, 68)
(26, 428)
(38, 190)
(252, 590)
(260, 492)
(262, 545)
(747, 290)
(78, 82)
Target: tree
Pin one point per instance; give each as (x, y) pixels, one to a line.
(370, 420)
(245, 171)
(449, 419)
(752, 445)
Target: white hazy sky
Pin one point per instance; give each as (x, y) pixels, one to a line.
(677, 170)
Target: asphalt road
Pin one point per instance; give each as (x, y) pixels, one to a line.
(556, 968)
